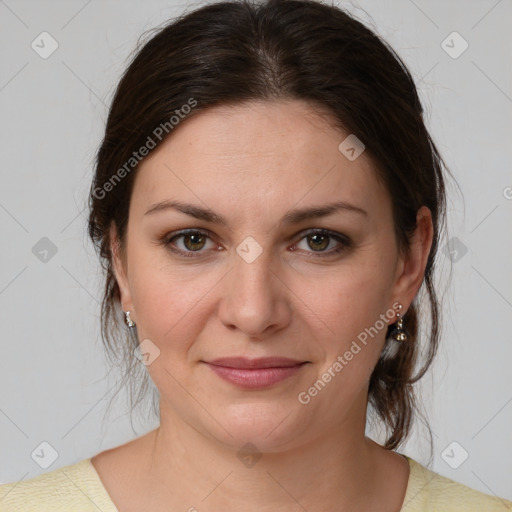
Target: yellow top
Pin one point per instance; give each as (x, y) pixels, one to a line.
(78, 488)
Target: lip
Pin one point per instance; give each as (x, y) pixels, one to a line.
(255, 373)
(257, 363)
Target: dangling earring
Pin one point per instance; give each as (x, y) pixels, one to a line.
(398, 333)
(128, 321)
(132, 329)
(395, 339)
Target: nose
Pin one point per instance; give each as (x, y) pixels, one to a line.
(255, 300)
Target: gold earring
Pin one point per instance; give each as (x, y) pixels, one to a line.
(399, 333)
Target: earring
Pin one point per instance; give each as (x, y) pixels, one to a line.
(395, 339)
(128, 321)
(399, 333)
(132, 330)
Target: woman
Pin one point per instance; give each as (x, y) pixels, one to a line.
(267, 204)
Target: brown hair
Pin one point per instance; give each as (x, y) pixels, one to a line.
(237, 51)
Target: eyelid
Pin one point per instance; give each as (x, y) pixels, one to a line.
(342, 239)
(334, 234)
(344, 242)
(167, 239)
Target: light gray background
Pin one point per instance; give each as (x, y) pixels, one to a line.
(54, 383)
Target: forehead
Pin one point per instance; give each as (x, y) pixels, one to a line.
(260, 153)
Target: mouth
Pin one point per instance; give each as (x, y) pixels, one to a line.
(255, 373)
(259, 363)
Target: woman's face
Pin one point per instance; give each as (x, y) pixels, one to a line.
(260, 283)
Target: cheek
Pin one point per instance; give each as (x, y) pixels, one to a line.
(167, 313)
(355, 310)
(359, 291)
(353, 304)
(166, 301)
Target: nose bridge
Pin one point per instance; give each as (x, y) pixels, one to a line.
(252, 265)
(253, 301)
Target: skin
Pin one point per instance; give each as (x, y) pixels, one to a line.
(251, 164)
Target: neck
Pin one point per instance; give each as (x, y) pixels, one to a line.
(338, 470)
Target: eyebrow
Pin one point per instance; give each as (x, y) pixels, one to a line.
(292, 217)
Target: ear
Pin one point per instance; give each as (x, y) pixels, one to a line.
(411, 267)
(119, 267)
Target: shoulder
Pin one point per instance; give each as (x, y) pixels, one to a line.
(74, 487)
(430, 492)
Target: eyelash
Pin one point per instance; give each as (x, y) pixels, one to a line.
(342, 239)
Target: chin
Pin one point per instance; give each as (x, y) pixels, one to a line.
(270, 427)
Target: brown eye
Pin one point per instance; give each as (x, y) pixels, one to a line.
(194, 241)
(188, 243)
(318, 241)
